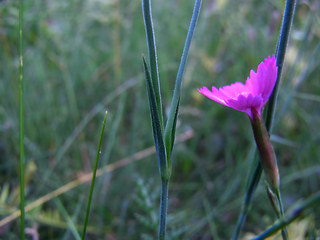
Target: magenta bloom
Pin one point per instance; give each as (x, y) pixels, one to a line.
(252, 95)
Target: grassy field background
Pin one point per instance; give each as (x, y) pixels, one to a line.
(84, 57)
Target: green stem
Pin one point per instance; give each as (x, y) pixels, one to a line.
(94, 177)
(163, 208)
(21, 122)
(280, 54)
(268, 162)
(267, 155)
(284, 232)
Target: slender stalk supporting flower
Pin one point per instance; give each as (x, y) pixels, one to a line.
(268, 159)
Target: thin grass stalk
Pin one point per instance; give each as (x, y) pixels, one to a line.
(93, 177)
(21, 121)
(280, 55)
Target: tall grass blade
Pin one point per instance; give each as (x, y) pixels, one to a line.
(152, 52)
(94, 177)
(169, 133)
(21, 121)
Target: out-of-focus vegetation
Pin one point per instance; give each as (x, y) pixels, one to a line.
(83, 57)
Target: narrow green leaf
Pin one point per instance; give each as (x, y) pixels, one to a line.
(94, 177)
(156, 125)
(152, 52)
(169, 133)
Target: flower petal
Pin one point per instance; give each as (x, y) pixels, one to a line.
(264, 80)
(214, 95)
(246, 103)
(233, 90)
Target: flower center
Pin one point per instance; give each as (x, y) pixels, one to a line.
(245, 94)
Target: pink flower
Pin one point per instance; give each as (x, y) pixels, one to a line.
(252, 95)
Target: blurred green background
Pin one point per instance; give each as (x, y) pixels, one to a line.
(84, 57)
